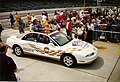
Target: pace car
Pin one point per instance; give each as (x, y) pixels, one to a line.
(55, 45)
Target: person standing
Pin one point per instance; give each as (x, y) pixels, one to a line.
(17, 17)
(1, 29)
(7, 65)
(33, 25)
(69, 27)
(45, 13)
(90, 27)
(56, 26)
(109, 28)
(33, 17)
(39, 27)
(29, 19)
(11, 18)
(21, 26)
(43, 18)
(46, 25)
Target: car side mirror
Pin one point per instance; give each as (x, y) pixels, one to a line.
(51, 44)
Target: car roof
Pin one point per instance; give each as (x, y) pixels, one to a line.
(23, 34)
(45, 33)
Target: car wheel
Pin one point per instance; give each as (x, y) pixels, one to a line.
(18, 51)
(69, 61)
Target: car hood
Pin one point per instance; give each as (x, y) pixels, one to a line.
(75, 45)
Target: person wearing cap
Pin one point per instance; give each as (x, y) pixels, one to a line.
(69, 27)
(7, 65)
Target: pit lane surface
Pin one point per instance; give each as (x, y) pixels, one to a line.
(106, 68)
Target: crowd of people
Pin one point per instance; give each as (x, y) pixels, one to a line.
(16, 21)
(86, 24)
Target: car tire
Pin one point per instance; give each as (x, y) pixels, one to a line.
(68, 60)
(18, 51)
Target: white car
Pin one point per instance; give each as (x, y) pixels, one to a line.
(55, 45)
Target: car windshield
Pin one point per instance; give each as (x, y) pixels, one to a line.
(61, 38)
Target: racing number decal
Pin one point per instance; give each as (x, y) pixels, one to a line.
(46, 50)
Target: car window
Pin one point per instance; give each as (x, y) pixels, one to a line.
(43, 39)
(61, 38)
(30, 37)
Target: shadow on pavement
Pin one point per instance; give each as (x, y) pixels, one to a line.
(44, 59)
(97, 64)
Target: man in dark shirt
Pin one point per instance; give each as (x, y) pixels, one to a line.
(109, 28)
(7, 65)
(11, 19)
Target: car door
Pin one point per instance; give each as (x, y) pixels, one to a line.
(42, 47)
(28, 43)
(46, 47)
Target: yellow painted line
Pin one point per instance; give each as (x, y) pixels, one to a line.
(117, 49)
(103, 46)
(107, 47)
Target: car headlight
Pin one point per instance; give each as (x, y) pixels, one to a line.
(90, 55)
